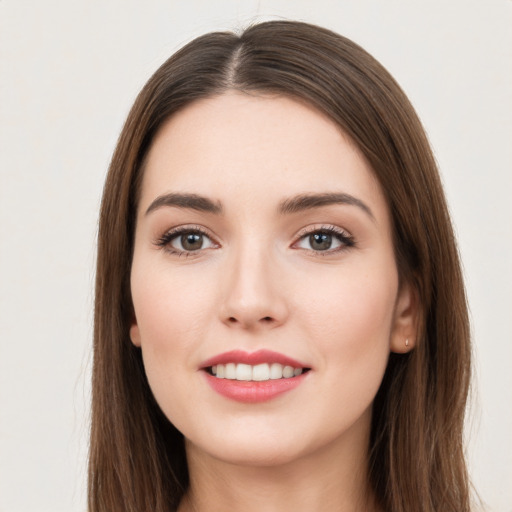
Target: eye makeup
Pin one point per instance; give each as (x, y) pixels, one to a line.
(324, 240)
(319, 240)
(186, 241)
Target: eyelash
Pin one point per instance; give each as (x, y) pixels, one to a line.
(165, 240)
(347, 241)
(341, 235)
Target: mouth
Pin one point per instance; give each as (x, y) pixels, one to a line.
(253, 377)
(256, 373)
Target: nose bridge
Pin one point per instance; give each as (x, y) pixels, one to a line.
(252, 294)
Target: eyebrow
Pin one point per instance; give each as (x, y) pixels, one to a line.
(291, 205)
(307, 201)
(190, 201)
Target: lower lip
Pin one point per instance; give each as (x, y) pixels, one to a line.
(251, 392)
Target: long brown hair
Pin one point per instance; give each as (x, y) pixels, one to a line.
(137, 458)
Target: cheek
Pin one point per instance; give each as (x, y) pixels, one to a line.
(169, 306)
(350, 300)
(350, 315)
(172, 317)
(349, 322)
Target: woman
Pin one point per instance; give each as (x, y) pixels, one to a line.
(280, 315)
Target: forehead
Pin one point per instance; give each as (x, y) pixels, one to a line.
(237, 146)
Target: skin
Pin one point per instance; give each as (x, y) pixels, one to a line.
(258, 283)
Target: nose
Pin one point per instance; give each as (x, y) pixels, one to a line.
(254, 297)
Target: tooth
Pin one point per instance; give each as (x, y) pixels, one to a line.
(288, 372)
(276, 371)
(243, 371)
(261, 372)
(230, 371)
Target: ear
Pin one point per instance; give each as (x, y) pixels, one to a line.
(135, 333)
(405, 321)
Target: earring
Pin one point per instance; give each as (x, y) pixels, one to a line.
(407, 342)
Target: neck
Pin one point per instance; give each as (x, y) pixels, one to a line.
(331, 478)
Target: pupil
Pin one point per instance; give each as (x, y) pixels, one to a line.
(192, 241)
(320, 241)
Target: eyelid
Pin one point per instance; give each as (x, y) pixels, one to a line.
(163, 241)
(347, 240)
(343, 236)
(322, 227)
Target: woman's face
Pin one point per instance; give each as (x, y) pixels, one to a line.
(263, 252)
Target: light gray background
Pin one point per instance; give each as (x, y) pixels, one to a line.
(69, 71)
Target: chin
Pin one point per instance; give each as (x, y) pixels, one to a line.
(250, 453)
(267, 443)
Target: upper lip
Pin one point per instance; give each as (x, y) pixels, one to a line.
(252, 358)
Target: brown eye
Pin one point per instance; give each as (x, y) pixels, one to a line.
(191, 241)
(328, 240)
(320, 241)
(185, 241)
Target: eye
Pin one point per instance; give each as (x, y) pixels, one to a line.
(185, 241)
(326, 239)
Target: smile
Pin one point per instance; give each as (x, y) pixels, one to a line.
(252, 377)
(258, 373)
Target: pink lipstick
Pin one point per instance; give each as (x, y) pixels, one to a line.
(252, 358)
(253, 377)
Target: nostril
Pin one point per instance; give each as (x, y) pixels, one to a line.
(234, 321)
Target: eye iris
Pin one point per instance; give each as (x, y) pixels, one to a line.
(192, 241)
(320, 241)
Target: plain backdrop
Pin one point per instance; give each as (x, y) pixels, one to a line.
(69, 72)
